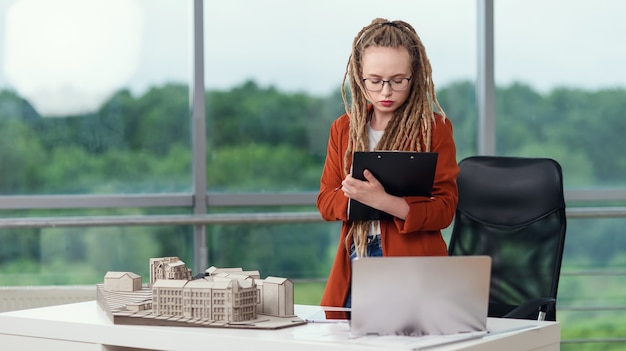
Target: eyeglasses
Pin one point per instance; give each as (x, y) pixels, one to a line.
(376, 84)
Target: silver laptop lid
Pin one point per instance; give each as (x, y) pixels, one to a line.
(420, 295)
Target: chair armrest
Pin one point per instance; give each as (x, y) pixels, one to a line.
(540, 304)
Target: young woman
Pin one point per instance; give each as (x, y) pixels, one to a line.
(392, 106)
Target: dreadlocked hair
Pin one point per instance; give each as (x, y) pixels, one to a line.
(410, 129)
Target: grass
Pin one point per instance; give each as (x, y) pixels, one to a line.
(308, 293)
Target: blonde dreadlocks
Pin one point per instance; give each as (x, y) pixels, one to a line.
(410, 128)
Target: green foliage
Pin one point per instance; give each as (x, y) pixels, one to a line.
(308, 293)
(21, 155)
(19, 246)
(251, 167)
(594, 332)
(459, 103)
(249, 114)
(302, 248)
(261, 139)
(264, 140)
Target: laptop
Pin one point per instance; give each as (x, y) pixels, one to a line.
(416, 296)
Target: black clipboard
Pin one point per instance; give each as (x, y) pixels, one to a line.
(402, 173)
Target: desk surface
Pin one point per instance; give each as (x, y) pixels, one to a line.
(84, 326)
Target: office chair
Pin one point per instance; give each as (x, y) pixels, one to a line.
(513, 209)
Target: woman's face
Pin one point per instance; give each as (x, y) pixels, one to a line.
(386, 68)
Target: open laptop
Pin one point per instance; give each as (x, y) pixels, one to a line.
(417, 296)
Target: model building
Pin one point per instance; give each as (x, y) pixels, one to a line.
(122, 281)
(218, 297)
(168, 268)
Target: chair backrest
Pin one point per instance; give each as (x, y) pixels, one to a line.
(512, 209)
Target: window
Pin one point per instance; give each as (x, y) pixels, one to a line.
(561, 93)
(94, 108)
(273, 85)
(561, 88)
(273, 81)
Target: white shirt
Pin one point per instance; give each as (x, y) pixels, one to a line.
(374, 137)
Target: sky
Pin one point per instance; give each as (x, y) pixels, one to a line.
(70, 55)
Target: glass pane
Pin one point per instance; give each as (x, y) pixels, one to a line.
(273, 81)
(88, 107)
(295, 250)
(561, 86)
(82, 256)
(593, 279)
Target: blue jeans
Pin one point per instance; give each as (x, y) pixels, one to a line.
(373, 249)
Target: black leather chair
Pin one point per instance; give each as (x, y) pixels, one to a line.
(513, 209)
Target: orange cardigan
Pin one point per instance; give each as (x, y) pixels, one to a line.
(418, 235)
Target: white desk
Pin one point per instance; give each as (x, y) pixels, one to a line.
(84, 326)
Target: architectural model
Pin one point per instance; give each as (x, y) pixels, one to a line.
(221, 297)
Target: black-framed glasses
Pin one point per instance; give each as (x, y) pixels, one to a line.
(377, 84)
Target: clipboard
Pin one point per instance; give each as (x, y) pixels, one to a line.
(402, 173)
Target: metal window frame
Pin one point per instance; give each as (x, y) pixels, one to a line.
(485, 79)
(198, 138)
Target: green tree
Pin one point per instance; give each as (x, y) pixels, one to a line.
(249, 114)
(253, 167)
(459, 103)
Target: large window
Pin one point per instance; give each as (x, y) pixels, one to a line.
(102, 116)
(273, 84)
(103, 165)
(561, 93)
(562, 87)
(273, 78)
(93, 99)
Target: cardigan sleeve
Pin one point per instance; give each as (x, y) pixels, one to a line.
(331, 202)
